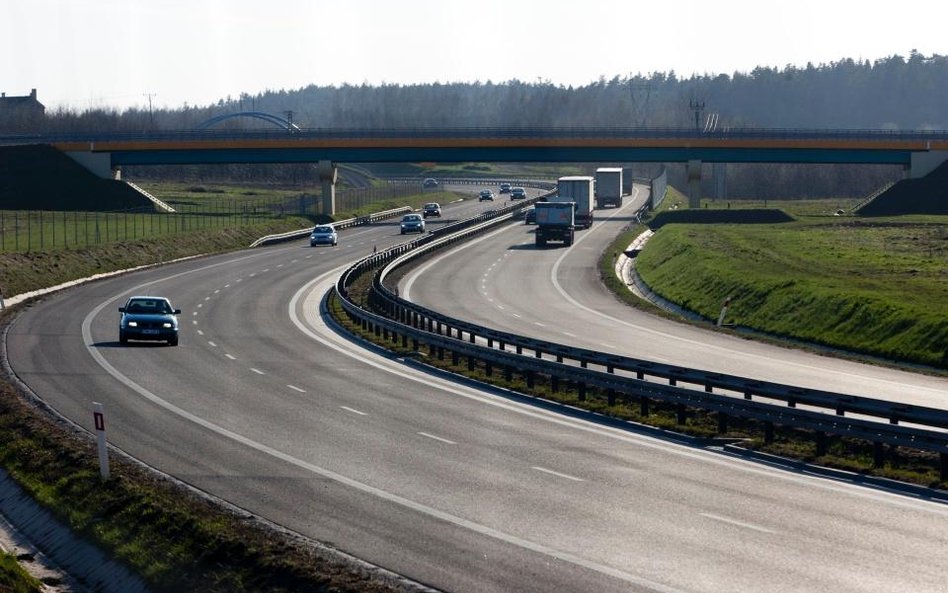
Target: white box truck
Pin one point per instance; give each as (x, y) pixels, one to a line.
(579, 190)
(555, 221)
(608, 187)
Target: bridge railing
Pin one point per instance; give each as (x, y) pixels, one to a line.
(867, 135)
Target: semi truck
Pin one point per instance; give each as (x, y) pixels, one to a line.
(580, 191)
(555, 221)
(608, 187)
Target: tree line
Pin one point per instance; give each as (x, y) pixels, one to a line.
(893, 93)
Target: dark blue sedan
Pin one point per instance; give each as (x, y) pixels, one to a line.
(149, 318)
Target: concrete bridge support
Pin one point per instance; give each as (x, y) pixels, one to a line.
(99, 163)
(693, 169)
(327, 177)
(924, 163)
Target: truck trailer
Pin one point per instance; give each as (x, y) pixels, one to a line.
(580, 191)
(608, 187)
(555, 221)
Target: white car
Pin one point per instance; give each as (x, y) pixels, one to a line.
(323, 234)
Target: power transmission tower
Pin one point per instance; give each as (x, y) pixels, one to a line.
(697, 107)
(647, 87)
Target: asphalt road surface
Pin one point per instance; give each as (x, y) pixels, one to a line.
(457, 486)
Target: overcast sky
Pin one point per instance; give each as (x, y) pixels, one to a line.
(119, 53)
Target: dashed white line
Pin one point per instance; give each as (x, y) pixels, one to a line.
(211, 344)
(569, 334)
(230, 356)
(295, 388)
(517, 315)
(431, 436)
(207, 298)
(736, 522)
(200, 332)
(557, 474)
(218, 291)
(353, 410)
(540, 324)
(258, 371)
(227, 286)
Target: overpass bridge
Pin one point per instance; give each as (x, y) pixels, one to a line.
(919, 152)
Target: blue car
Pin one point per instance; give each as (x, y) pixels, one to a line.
(149, 318)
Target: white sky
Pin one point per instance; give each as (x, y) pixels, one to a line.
(113, 53)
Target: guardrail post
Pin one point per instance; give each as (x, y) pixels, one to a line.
(707, 388)
(747, 394)
(501, 346)
(681, 414)
(473, 337)
(559, 358)
(404, 340)
(538, 353)
(639, 375)
(519, 349)
(583, 364)
(878, 454)
(821, 443)
(414, 344)
(610, 369)
(490, 342)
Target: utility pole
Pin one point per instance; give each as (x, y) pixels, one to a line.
(289, 117)
(151, 114)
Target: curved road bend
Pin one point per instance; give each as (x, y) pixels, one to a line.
(555, 294)
(451, 485)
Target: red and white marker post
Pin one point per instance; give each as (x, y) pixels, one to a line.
(98, 416)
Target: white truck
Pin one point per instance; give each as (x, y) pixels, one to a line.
(555, 221)
(608, 187)
(580, 191)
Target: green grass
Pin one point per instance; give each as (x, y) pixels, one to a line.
(14, 579)
(876, 286)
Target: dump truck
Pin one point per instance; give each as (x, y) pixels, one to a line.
(555, 221)
(579, 190)
(608, 187)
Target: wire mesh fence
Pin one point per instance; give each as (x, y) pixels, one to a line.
(23, 231)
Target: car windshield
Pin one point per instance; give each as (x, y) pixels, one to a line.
(148, 306)
(411, 218)
(431, 206)
(323, 229)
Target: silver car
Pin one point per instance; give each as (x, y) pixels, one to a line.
(413, 223)
(324, 234)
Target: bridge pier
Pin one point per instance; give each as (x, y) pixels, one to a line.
(327, 177)
(693, 169)
(99, 163)
(923, 163)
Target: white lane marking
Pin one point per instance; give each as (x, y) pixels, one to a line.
(194, 322)
(230, 356)
(200, 305)
(569, 334)
(200, 332)
(211, 344)
(295, 388)
(207, 298)
(540, 324)
(557, 474)
(227, 286)
(517, 315)
(252, 274)
(431, 436)
(737, 523)
(218, 291)
(353, 410)
(194, 313)
(501, 307)
(258, 371)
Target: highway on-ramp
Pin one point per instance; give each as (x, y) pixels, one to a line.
(454, 485)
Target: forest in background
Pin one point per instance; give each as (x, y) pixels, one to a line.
(894, 93)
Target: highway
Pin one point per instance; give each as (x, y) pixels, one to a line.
(455, 485)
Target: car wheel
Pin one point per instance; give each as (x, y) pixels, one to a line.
(123, 339)
(173, 341)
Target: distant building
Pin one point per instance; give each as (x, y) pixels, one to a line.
(20, 114)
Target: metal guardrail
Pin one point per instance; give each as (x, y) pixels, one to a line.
(341, 224)
(626, 377)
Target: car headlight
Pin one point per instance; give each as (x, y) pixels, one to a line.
(132, 324)
(167, 325)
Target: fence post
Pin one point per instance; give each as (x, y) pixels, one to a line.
(98, 416)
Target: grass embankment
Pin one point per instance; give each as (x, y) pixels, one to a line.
(13, 579)
(872, 286)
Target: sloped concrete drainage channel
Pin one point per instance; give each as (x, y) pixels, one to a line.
(51, 552)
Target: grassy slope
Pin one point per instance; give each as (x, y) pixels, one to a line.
(878, 287)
